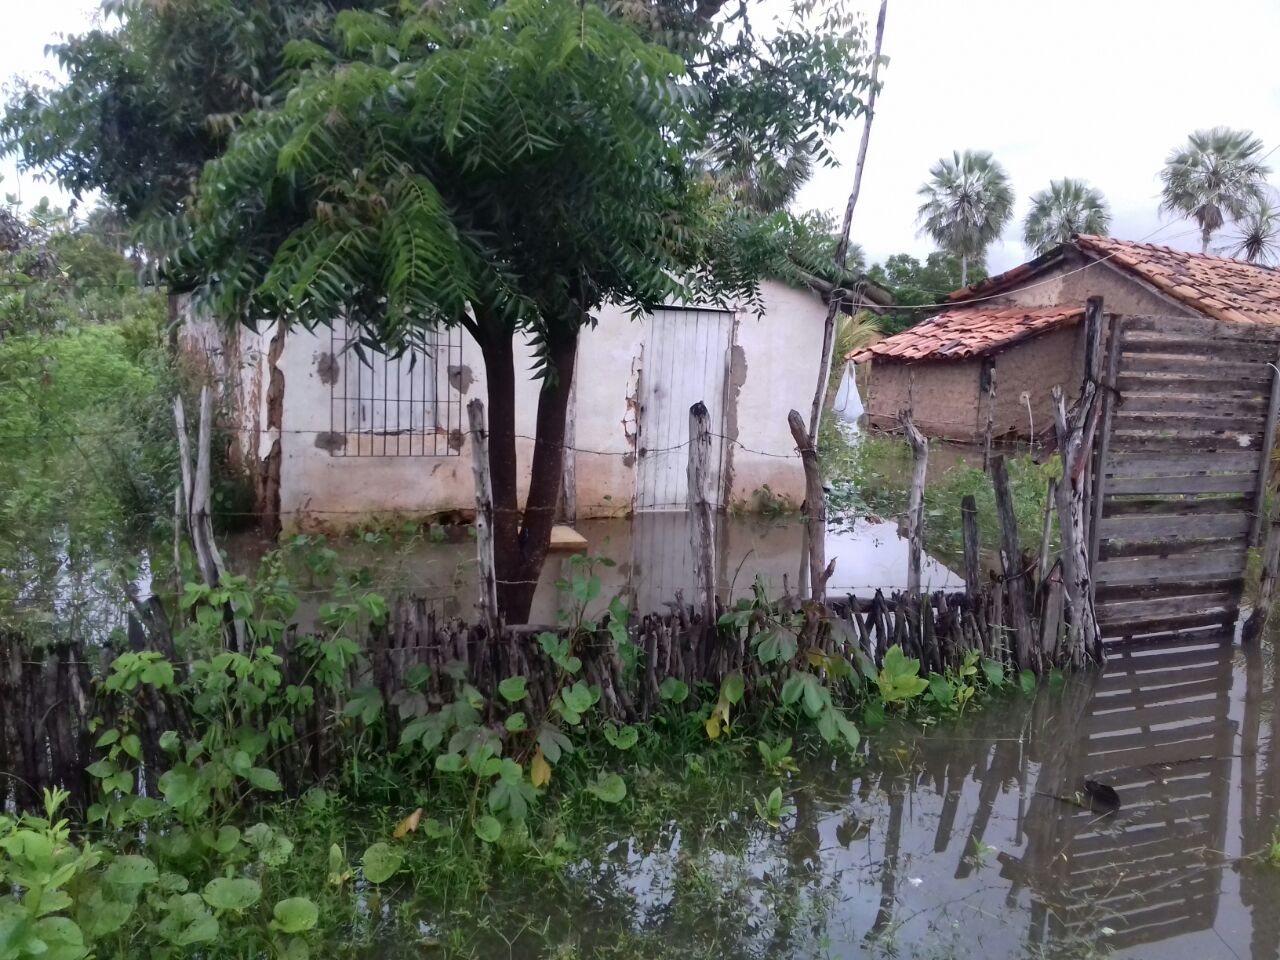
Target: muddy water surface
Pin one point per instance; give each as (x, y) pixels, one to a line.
(969, 839)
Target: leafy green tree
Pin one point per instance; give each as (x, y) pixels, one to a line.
(508, 170)
(968, 201)
(1058, 213)
(1258, 239)
(1217, 175)
(919, 284)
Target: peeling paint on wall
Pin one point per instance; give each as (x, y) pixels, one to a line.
(460, 377)
(331, 442)
(455, 439)
(631, 418)
(328, 368)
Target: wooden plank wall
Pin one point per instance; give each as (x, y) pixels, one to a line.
(1184, 464)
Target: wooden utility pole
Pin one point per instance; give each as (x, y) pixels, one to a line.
(915, 506)
(702, 537)
(484, 518)
(842, 246)
(989, 391)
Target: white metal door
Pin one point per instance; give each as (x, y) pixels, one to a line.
(686, 358)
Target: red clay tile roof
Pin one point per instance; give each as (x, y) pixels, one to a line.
(1216, 286)
(968, 332)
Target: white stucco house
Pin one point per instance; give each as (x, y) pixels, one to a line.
(335, 441)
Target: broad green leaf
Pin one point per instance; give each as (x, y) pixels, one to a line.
(488, 829)
(513, 689)
(232, 893)
(673, 690)
(265, 779)
(381, 862)
(516, 723)
(608, 788)
(1027, 681)
(993, 670)
(131, 871)
(732, 688)
(295, 915)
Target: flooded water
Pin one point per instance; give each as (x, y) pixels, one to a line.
(650, 556)
(969, 839)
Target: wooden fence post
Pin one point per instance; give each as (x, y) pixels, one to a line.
(1010, 561)
(1256, 625)
(484, 517)
(1085, 638)
(988, 385)
(1264, 468)
(969, 523)
(915, 506)
(702, 525)
(815, 500)
(1099, 486)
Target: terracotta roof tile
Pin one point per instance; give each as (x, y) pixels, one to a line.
(968, 332)
(1221, 288)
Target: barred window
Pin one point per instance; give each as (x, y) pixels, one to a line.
(405, 406)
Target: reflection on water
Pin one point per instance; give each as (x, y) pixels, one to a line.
(651, 557)
(970, 839)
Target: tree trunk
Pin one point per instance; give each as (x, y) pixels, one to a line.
(496, 346)
(1205, 235)
(545, 477)
(964, 270)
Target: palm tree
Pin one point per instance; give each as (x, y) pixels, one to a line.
(1218, 174)
(1057, 214)
(967, 203)
(1259, 238)
(763, 182)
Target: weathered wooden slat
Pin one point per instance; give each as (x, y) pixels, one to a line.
(1203, 328)
(1184, 505)
(1131, 549)
(1178, 485)
(1151, 591)
(1175, 526)
(1210, 563)
(1202, 367)
(1240, 351)
(1184, 442)
(1144, 404)
(1193, 462)
(1180, 423)
(1149, 384)
(1135, 610)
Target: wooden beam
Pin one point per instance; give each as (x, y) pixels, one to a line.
(1100, 483)
(1264, 463)
(969, 524)
(1011, 564)
(484, 518)
(815, 507)
(915, 506)
(702, 529)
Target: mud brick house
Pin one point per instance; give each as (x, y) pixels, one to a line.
(1024, 328)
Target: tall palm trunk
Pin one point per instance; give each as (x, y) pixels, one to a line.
(1205, 234)
(964, 270)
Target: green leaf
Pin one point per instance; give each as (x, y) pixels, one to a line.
(381, 862)
(488, 829)
(1027, 681)
(295, 915)
(623, 739)
(131, 745)
(732, 688)
(131, 871)
(232, 893)
(449, 762)
(516, 723)
(108, 738)
(673, 690)
(179, 785)
(265, 779)
(993, 670)
(608, 788)
(226, 840)
(187, 921)
(513, 689)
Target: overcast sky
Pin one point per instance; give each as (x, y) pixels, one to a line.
(1098, 89)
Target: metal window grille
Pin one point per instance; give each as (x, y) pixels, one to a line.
(404, 406)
